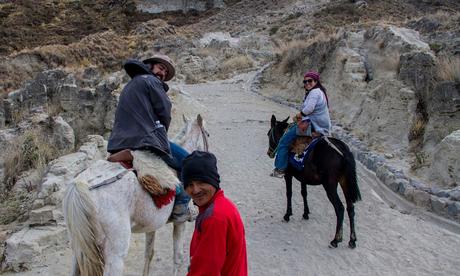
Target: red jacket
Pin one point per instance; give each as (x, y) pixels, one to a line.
(218, 244)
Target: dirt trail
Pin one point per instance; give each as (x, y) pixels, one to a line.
(389, 241)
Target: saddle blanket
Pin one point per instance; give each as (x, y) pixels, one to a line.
(297, 160)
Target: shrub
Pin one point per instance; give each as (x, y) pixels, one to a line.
(30, 151)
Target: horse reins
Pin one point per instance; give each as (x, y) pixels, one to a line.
(205, 135)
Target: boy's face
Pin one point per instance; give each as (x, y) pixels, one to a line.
(200, 192)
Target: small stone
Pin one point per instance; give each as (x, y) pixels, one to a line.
(389, 156)
(453, 208)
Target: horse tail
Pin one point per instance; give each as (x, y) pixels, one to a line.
(82, 226)
(350, 175)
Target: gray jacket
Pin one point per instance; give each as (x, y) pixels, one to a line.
(143, 113)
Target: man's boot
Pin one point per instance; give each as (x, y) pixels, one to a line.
(181, 210)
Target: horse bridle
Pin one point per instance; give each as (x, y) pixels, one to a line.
(271, 138)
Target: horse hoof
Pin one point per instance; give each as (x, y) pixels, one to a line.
(334, 243)
(305, 216)
(352, 244)
(286, 218)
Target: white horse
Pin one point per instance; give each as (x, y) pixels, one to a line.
(101, 218)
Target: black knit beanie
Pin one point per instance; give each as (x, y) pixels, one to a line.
(200, 166)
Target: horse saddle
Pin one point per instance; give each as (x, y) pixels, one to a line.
(124, 157)
(161, 195)
(300, 144)
(300, 154)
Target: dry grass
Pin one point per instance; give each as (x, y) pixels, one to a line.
(206, 52)
(417, 129)
(105, 50)
(449, 68)
(14, 205)
(29, 151)
(237, 63)
(295, 55)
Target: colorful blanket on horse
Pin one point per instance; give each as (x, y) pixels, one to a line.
(297, 160)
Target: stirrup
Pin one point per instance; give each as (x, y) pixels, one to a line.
(277, 173)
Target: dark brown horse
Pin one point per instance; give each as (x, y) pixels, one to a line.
(324, 166)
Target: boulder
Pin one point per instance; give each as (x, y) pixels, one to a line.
(444, 112)
(417, 70)
(30, 245)
(445, 166)
(43, 216)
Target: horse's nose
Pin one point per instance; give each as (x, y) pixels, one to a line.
(269, 152)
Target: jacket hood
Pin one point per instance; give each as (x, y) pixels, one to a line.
(136, 67)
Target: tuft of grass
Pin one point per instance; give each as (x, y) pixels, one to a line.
(14, 205)
(295, 55)
(420, 160)
(417, 129)
(449, 68)
(236, 64)
(30, 151)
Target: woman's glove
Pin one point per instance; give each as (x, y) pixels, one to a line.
(297, 118)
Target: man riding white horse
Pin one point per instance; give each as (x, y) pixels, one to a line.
(143, 116)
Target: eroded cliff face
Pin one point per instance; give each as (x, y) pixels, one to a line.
(384, 87)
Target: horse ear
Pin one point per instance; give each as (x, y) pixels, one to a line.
(185, 119)
(199, 120)
(285, 120)
(273, 120)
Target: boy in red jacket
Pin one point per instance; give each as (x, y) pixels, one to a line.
(218, 245)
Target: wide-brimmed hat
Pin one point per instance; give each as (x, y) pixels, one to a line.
(163, 59)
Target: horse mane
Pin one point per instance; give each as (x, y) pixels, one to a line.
(181, 135)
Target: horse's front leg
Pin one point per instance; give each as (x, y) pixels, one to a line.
(306, 210)
(178, 242)
(288, 180)
(149, 251)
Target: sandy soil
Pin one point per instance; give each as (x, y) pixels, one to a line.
(394, 238)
